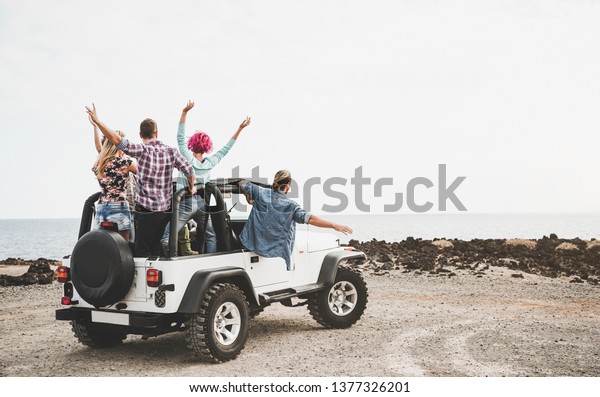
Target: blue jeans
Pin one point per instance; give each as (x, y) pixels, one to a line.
(194, 207)
(114, 211)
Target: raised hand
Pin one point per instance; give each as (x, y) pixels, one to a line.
(245, 123)
(187, 107)
(111, 135)
(92, 115)
(97, 141)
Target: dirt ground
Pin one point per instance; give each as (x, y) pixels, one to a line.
(414, 325)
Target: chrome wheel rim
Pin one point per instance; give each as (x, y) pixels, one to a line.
(227, 323)
(342, 298)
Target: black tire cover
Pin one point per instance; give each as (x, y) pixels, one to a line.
(102, 267)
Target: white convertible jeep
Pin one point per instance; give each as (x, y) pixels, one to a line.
(109, 293)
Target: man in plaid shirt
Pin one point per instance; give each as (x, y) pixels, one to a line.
(155, 175)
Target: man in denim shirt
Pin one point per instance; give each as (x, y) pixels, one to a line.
(271, 227)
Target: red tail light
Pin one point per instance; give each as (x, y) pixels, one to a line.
(67, 298)
(62, 274)
(153, 277)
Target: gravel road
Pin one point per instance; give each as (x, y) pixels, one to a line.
(414, 325)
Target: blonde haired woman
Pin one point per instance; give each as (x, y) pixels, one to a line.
(112, 171)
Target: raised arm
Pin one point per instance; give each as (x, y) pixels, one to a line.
(218, 156)
(319, 222)
(186, 109)
(181, 143)
(244, 124)
(109, 134)
(97, 142)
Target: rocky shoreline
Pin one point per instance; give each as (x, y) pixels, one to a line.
(549, 256)
(39, 271)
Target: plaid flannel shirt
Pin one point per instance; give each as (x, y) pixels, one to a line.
(155, 172)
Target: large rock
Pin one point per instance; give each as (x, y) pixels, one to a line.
(39, 272)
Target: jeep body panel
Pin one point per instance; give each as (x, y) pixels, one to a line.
(185, 279)
(174, 271)
(203, 279)
(319, 241)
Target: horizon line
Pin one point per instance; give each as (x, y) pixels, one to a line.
(594, 213)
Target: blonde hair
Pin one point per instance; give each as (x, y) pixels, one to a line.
(282, 178)
(107, 153)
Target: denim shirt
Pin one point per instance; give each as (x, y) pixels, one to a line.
(271, 227)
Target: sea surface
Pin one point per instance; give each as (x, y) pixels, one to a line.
(55, 238)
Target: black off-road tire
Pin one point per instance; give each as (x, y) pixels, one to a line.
(343, 304)
(223, 311)
(88, 335)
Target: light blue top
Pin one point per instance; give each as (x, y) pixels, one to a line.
(271, 227)
(201, 168)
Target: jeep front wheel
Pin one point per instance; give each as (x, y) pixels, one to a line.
(218, 332)
(343, 304)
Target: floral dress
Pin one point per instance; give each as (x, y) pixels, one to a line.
(115, 182)
(114, 203)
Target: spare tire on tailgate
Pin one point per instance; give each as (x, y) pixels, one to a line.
(102, 267)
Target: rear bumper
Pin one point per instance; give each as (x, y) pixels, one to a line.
(136, 319)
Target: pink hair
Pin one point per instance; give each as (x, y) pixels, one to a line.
(200, 143)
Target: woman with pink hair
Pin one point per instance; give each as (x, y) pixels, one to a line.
(196, 151)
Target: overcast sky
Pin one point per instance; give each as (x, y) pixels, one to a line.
(505, 93)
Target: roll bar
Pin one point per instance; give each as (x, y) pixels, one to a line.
(217, 213)
(86, 216)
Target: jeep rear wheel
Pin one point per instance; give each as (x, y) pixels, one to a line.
(343, 304)
(218, 332)
(88, 334)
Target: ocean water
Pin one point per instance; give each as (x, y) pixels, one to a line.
(55, 238)
(37, 238)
